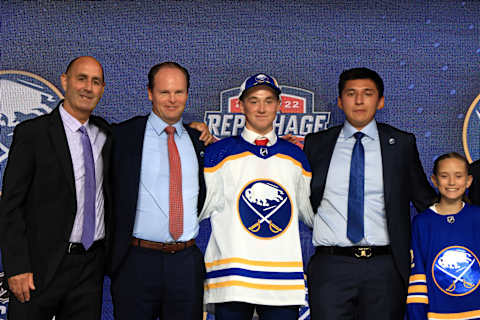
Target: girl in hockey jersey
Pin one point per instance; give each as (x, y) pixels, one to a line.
(445, 270)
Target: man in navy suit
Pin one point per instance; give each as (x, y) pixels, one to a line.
(361, 264)
(155, 271)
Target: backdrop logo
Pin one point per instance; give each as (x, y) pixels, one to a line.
(297, 116)
(471, 131)
(23, 96)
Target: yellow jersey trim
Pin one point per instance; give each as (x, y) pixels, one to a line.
(282, 264)
(237, 283)
(456, 316)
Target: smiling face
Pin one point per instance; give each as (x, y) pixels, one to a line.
(169, 94)
(83, 85)
(360, 100)
(260, 106)
(452, 179)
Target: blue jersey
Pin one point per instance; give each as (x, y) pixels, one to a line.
(445, 270)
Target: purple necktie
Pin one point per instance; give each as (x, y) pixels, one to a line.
(88, 232)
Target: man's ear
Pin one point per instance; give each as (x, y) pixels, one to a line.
(63, 81)
(149, 92)
(339, 103)
(240, 104)
(279, 105)
(381, 103)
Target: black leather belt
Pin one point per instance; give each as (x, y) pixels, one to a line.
(78, 248)
(356, 252)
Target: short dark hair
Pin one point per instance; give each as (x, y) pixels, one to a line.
(168, 64)
(71, 63)
(360, 73)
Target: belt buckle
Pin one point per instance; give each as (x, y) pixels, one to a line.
(170, 247)
(362, 252)
(69, 250)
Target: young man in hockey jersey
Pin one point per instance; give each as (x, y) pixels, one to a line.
(257, 187)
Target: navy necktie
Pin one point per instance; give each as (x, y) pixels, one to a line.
(356, 191)
(88, 231)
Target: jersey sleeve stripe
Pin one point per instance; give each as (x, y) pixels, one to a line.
(417, 289)
(418, 278)
(417, 299)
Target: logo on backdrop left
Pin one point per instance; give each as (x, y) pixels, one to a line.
(24, 95)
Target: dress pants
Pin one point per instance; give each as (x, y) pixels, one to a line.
(75, 293)
(151, 283)
(348, 288)
(244, 311)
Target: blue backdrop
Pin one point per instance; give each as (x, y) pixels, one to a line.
(427, 52)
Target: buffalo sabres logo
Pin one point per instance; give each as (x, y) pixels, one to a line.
(471, 132)
(23, 96)
(264, 208)
(456, 271)
(262, 78)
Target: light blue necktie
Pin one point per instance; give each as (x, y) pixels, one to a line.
(88, 232)
(356, 188)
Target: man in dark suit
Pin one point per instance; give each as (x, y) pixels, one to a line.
(53, 207)
(158, 190)
(364, 176)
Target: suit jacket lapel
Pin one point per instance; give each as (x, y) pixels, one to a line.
(60, 145)
(199, 151)
(326, 152)
(388, 150)
(134, 151)
(107, 147)
(198, 146)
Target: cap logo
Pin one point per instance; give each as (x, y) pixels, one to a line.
(261, 78)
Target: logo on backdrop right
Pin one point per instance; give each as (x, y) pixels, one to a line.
(471, 131)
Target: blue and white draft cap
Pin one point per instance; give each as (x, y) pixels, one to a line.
(260, 79)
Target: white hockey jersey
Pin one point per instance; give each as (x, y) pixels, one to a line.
(255, 195)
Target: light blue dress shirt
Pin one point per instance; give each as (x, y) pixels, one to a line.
(152, 217)
(330, 224)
